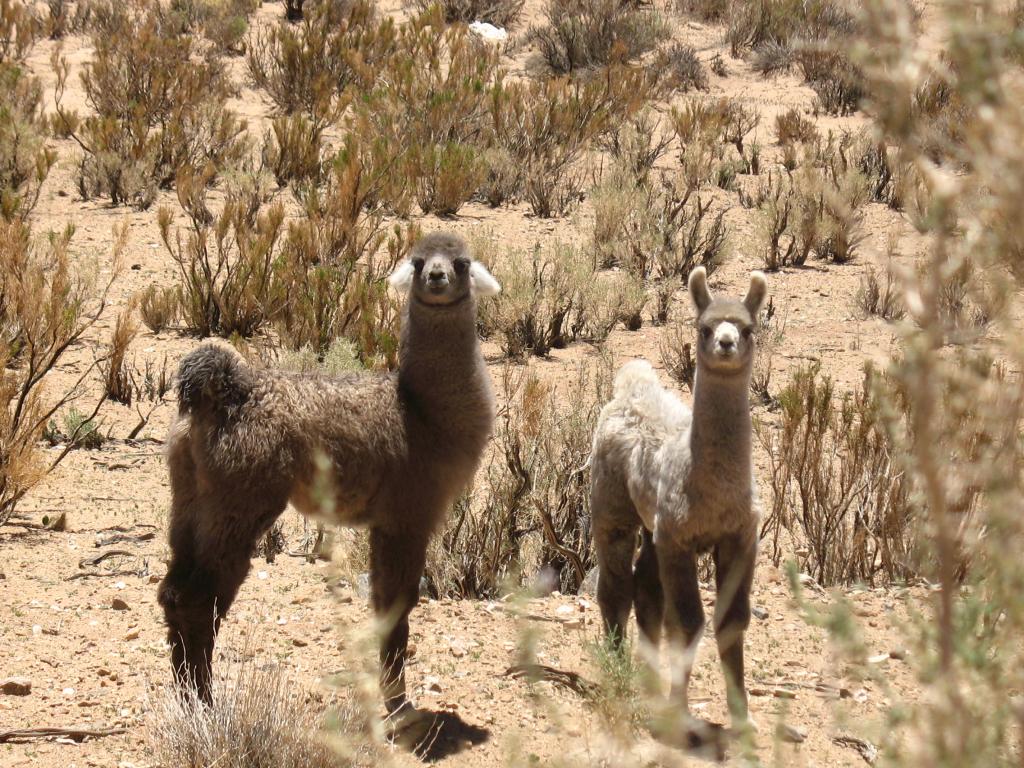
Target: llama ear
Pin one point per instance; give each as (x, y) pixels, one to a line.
(756, 294)
(482, 281)
(401, 278)
(698, 285)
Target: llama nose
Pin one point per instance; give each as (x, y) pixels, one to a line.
(727, 345)
(437, 276)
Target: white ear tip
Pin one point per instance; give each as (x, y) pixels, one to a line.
(484, 283)
(401, 278)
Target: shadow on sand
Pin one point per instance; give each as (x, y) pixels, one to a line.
(433, 736)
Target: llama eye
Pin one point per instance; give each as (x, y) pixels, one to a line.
(417, 263)
(705, 332)
(461, 265)
(747, 333)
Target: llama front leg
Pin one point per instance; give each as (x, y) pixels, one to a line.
(684, 616)
(735, 558)
(396, 566)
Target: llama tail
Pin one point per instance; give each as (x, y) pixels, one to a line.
(212, 377)
(633, 376)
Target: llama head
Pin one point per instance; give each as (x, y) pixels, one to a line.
(725, 326)
(440, 272)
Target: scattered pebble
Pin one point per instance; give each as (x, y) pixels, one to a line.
(878, 658)
(458, 651)
(298, 642)
(118, 604)
(759, 612)
(898, 653)
(790, 734)
(16, 686)
(131, 634)
(262, 575)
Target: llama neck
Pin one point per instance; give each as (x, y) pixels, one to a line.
(440, 367)
(720, 435)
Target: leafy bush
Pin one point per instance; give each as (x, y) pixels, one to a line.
(46, 307)
(159, 106)
(588, 33)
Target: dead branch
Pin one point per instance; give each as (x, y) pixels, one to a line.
(50, 732)
(543, 673)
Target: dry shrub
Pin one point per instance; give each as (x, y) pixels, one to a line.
(25, 161)
(547, 125)
(684, 70)
(836, 485)
(705, 10)
(258, 718)
(158, 307)
(500, 13)
(159, 105)
(503, 177)
(293, 149)
(816, 211)
(329, 277)
(116, 369)
(530, 509)
(676, 349)
(46, 307)
(225, 261)
(547, 301)
(879, 296)
(18, 30)
(637, 143)
(660, 230)
(432, 102)
(792, 127)
(223, 22)
(589, 33)
(308, 67)
(816, 35)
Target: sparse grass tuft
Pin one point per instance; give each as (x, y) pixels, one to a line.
(258, 718)
(158, 307)
(500, 13)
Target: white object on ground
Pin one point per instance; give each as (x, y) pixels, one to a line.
(489, 31)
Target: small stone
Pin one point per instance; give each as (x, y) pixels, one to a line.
(131, 634)
(898, 653)
(36, 629)
(759, 612)
(118, 604)
(16, 686)
(69, 691)
(432, 684)
(457, 650)
(790, 734)
(410, 649)
(262, 575)
(298, 642)
(573, 623)
(564, 610)
(878, 658)
(154, 579)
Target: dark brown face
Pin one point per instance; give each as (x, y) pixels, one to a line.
(440, 272)
(725, 336)
(440, 277)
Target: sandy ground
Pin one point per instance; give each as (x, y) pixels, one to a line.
(90, 663)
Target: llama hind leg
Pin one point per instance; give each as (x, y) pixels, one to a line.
(615, 548)
(211, 543)
(735, 558)
(396, 565)
(684, 616)
(648, 596)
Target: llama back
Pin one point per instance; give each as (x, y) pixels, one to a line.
(631, 429)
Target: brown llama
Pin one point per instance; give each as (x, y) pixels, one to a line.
(389, 452)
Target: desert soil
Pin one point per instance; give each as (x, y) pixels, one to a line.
(93, 665)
